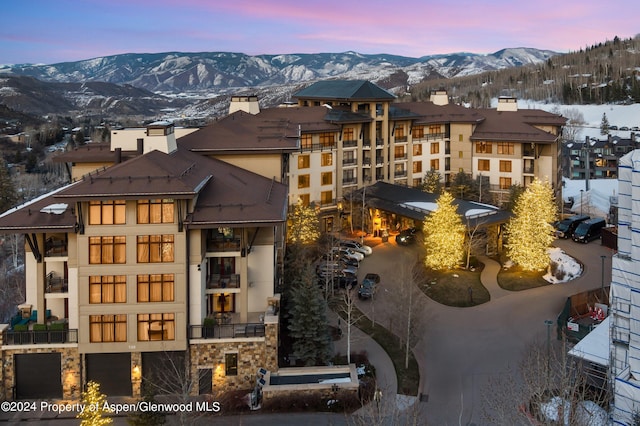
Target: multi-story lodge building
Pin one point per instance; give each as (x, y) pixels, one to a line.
(124, 264)
(165, 230)
(597, 157)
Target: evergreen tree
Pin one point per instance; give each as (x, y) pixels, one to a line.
(94, 402)
(515, 191)
(303, 225)
(147, 417)
(444, 235)
(463, 186)
(530, 230)
(8, 195)
(432, 182)
(308, 324)
(604, 125)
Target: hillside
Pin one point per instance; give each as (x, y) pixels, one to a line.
(603, 73)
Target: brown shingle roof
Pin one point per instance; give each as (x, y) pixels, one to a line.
(517, 126)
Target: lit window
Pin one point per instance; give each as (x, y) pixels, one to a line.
(417, 166)
(435, 148)
(156, 327)
(505, 166)
(306, 141)
(107, 328)
(108, 289)
(156, 288)
(303, 162)
(231, 364)
(505, 183)
(105, 250)
(326, 159)
(484, 165)
(155, 211)
(155, 248)
(326, 197)
(107, 212)
(417, 149)
(506, 148)
(327, 178)
(435, 164)
(483, 147)
(303, 181)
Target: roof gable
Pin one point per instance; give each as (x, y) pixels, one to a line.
(345, 89)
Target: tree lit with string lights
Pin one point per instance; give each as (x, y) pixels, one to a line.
(303, 226)
(530, 230)
(444, 235)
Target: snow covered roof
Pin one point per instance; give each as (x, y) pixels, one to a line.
(595, 346)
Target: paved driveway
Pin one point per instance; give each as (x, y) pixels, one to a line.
(462, 348)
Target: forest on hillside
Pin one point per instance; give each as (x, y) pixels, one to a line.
(608, 72)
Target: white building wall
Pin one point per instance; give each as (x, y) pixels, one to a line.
(260, 277)
(625, 294)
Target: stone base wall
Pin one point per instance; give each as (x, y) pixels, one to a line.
(69, 370)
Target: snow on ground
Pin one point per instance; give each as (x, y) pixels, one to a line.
(570, 268)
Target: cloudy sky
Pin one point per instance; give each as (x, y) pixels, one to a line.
(48, 31)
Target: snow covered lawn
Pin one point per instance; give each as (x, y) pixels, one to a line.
(566, 269)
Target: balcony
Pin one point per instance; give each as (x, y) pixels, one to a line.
(400, 157)
(349, 161)
(528, 169)
(379, 142)
(218, 245)
(349, 181)
(400, 174)
(366, 144)
(215, 281)
(226, 331)
(401, 139)
(56, 284)
(318, 147)
(54, 247)
(349, 143)
(39, 337)
(366, 162)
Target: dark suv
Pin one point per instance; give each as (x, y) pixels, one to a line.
(368, 287)
(406, 236)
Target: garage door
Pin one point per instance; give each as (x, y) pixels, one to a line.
(112, 371)
(38, 376)
(164, 371)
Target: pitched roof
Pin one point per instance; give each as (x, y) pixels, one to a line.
(416, 204)
(428, 112)
(354, 90)
(226, 194)
(517, 126)
(271, 130)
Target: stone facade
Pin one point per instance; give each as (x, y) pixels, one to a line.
(69, 370)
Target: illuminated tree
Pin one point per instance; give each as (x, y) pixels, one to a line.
(302, 224)
(444, 235)
(431, 182)
(94, 402)
(530, 230)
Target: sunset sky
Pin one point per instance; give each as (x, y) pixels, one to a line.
(46, 31)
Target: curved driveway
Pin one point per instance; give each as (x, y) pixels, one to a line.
(462, 348)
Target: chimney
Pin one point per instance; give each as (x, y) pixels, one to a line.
(507, 103)
(140, 146)
(439, 97)
(247, 104)
(118, 155)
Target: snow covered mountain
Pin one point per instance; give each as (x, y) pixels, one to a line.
(176, 72)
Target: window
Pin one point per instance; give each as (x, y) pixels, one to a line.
(348, 176)
(156, 327)
(155, 211)
(460, 154)
(505, 183)
(484, 147)
(435, 164)
(104, 250)
(326, 159)
(231, 364)
(399, 133)
(108, 289)
(305, 199)
(303, 181)
(303, 161)
(418, 132)
(460, 138)
(306, 141)
(484, 165)
(399, 152)
(434, 129)
(505, 166)
(107, 328)
(417, 149)
(417, 167)
(156, 288)
(347, 135)
(327, 140)
(107, 212)
(505, 148)
(435, 148)
(155, 248)
(326, 197)
(327, 178)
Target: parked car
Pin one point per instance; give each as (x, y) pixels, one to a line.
(349, 261)
(566, 227)
(635, 129)
(589, 230)
(346, 252)
(367, 288)
(624, 128)
(333, 268)
(613, 127)
(406, 236)
(356, 246)
(340, 280)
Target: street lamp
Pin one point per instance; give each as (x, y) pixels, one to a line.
(548, 323)
(603, 257)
